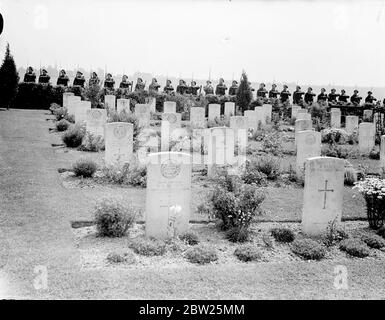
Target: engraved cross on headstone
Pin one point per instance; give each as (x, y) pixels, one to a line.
(326, 190)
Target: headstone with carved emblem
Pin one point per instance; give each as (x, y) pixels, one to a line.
(96, 120)
(142, 112)
(308, 146)
(123, 104)
(119, 143)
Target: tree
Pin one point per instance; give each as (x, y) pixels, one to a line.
(244, 94)
(9, 79)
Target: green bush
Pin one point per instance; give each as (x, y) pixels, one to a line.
(350, 176)
(238, 234)
(53, 107)
(121, 257)
(251, 174)
(189, 238)
(374, 154)
(148, 247)
(272, 143)
(92, 143)
(355, 247)
(334, 136)
(201, 254)
(268, 165)
(373, 241)
(84, 168)
(73, 137)
(62, 125)
(308, 249)
(247, 252)
(112, 218)
(283, 235)
(334, 234)
(59, 113)
(133, 175)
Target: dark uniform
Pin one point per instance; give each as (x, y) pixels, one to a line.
(208, 88)
(109, 83)
(44, 78)
(297, 96)
(355, 98)
(261, 92)
(309, 97)
(370, 98)
(285, 95)
(332, 97)
(343, 97)
(94, 80)
(62, 80)
(154, 87)
(124, 84)
(322, 97)
(30, 76)
(273, 93)
(79, 80)
(140, 85)
(168, 88)
(193, 89)
(220, 89)
(181, 87)
(233, 89)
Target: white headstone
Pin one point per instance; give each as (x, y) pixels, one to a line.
(123, 104)
(260, 114)
(268, 109)
(96, 120)
(170, 122)
(229, 109)
(251, 117)
(72, 103)
(197, 117)
(308, 146)
(152, 104)
(368, 115)
(65, 98)
(214, 111)
(302, 125)
(81, 111)
(323, 194)
(118, 142)
(168, 194)
(335, 118)
(109, 101)
(382, 153)
(294, 111)
(142, 112)
(169, 107)
(303, 116)
(366, 137)
(351, 124)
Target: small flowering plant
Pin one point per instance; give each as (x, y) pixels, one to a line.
(373, 190)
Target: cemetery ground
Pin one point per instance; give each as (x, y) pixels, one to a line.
(38, 205)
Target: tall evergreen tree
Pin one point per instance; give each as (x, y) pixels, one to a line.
(244, 94)
(9, 79)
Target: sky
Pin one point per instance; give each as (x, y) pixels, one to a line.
(317, 42)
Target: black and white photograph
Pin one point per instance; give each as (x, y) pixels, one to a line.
(195, 150)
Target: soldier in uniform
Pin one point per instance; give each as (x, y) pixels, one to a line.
(322, 97)
(343, 97)
(30, 75)
(208, 88)
(261, 92)
(233, 89)
(332, 97)
(297, 95)
(285, 94)
(94, 80)
(168, 89)
(44, 77)
(62, 80)
(79, 79)
(109, 82)
(370, 98)
(125, 84)
(193, 89)
(140, 85)
(154, 85)
(273, 93)
(355, 98)
(181, 87)
(221, 88)
(309, 96)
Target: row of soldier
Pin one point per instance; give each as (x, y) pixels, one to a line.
(299, 97)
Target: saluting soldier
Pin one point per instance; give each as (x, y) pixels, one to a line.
(261, 92)
(221, 88)
(309, 96)
(343, 97)
(332, 97)
(30, 75)
(273, 93)
(79, 79)
(140, 85)
(62, 80)
(285, 94)
(193, 89)
(44, 77)
(181, 87)
(154, 85)
(94, 80)
(168, 88)
(109, 82)
(322, 97)
(297, 95)
(234, 88)
(125, 84)
(370, 98)
(208, 88)
(355, 98)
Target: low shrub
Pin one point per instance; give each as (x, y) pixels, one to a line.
(201, 254)
(381, 232)
(247, 252)
(350, 176)
(189, 238)
(308, 249)
(133, 175)
(112, 218)
(73, 137)
(334, 136)
(53, 107)
(148, 247)
(355, 247)
(238, 234)
(123, 257)
(272, 143)
(283, 235)
(268, 165)
(59, 113)
(374, 154)
(92, 143)
(62, 125)
(251, 174)
(84, 168)
(334, 234)
(373, 241)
